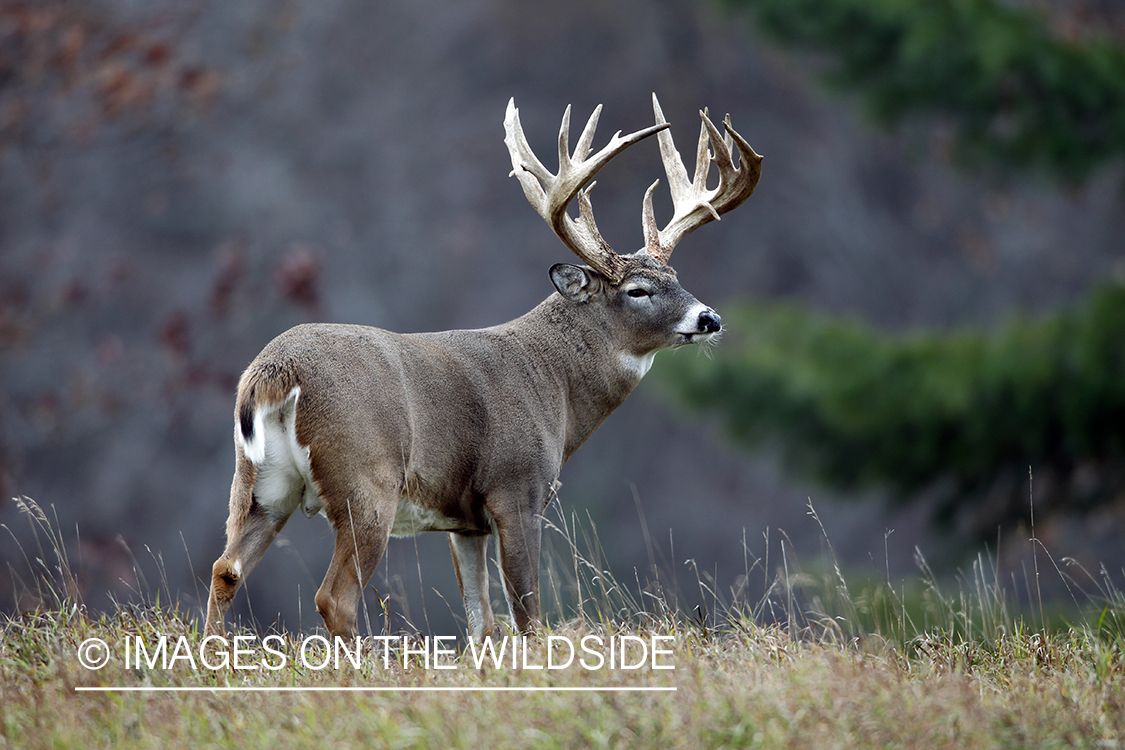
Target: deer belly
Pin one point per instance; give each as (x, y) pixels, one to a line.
(412, 518)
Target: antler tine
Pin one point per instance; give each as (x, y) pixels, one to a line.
(694, 205)
(550, 194)
(586, 140)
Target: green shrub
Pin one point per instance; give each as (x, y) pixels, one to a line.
(965, 414)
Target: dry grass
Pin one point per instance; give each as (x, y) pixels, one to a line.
(838, 670)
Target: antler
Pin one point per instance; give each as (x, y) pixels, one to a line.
(550, 193)
(694, 204)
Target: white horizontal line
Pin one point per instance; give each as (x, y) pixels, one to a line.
(290, 689)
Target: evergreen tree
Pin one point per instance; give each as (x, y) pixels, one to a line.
(967, 416)
(1016, 94)
(963, 414)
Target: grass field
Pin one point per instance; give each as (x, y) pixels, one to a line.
(826, 664)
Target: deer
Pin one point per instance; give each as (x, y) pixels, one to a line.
(389, 434)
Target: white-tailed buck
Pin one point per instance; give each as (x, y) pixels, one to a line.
(390, 434)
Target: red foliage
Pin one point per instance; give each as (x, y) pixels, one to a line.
(52, 49)
(299, 275)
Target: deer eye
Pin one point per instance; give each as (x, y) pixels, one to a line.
(637, 292)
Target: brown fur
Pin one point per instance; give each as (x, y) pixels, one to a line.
(470, 427)
(473, 425)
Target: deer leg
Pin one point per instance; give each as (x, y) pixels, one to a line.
(251, 527)
(471, 564)
(362, 531)
(518, 542)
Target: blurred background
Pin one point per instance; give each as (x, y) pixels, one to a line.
(922, 298)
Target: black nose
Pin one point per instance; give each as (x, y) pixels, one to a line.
(710, 322)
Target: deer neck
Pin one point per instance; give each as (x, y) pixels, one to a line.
(574, 348)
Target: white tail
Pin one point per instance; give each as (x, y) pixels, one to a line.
(465, 431)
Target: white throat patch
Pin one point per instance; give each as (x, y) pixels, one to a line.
(639, 365)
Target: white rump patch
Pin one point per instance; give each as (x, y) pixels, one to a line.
(284, 478)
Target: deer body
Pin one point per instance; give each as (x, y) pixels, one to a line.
(457, 431)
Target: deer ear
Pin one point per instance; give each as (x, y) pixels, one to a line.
(575, 283)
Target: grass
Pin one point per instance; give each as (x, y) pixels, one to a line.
(820, 661)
